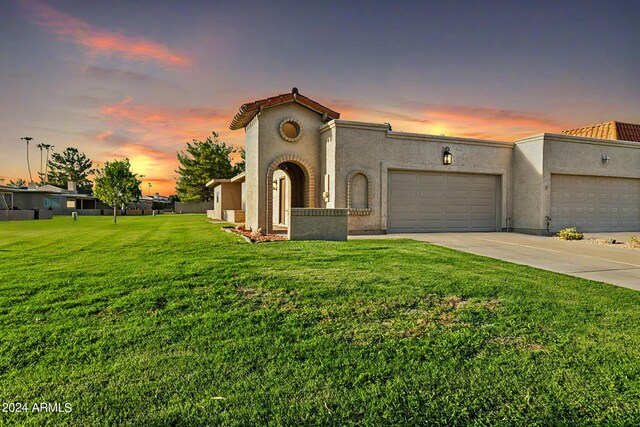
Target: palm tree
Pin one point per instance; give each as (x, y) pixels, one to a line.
(40, 147)
(28, 139)
(46, 165)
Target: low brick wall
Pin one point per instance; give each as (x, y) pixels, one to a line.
(25, 215)
(81, 212)
(45, 214)
(202, 207)
(318, 224)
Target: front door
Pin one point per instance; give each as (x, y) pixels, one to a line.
(282, 205)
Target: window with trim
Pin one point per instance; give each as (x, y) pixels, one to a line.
(51, 202)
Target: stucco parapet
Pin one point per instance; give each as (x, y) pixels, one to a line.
(556, 137)
(239, 178)
(318, 212)
(448, 139)
(532, 138)
(354, 125)
(217, 181)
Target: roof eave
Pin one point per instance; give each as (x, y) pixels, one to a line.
(249, 110)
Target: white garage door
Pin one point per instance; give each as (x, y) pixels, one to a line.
(592, 203)
(432, 201)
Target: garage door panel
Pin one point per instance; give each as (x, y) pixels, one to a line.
(442, 202)
(595, 203)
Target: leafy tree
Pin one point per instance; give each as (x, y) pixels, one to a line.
(240, 166)
(43, 174)
(117, 185)
(17, 183)
(203, 161)
(70, 165)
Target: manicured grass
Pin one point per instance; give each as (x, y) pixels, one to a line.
(169, 321)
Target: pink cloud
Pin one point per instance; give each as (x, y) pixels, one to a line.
(100, 42)
(156, 133)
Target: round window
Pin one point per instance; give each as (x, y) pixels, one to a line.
(290, 130)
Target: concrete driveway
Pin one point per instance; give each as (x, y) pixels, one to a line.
(618, 266)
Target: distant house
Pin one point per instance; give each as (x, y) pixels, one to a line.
(52, 197)
(228, 201)
(155, 202)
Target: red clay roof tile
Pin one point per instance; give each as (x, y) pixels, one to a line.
(249, 110)
(610, 130)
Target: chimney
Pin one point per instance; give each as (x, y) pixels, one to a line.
(32, 186)
(72, 187)
(156, 196)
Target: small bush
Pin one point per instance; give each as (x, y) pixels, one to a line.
(570, 234)
(634, 240)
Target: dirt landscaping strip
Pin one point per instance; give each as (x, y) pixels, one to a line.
(254, 237)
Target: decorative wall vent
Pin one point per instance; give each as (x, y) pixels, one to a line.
(290, 129)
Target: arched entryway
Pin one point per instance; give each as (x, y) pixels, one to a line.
(294, 187)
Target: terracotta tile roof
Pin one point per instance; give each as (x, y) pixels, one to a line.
(249, 110)
(628, 132)
(609, 130)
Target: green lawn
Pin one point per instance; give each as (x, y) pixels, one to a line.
(170, 321)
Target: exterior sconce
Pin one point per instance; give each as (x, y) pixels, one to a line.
(447, 157)
(275, 184)
(605, 159)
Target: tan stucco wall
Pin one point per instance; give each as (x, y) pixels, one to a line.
(538, 157)
(226, 196)
(375, 150)
(252, 177)
(259, 157)
(528, 186)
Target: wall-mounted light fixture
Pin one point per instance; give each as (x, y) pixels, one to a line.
(275, 184)
(447, 157)
(605, 159)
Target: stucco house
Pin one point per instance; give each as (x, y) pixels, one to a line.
(228, 201)
(300, 154)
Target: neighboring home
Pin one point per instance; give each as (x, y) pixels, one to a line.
(51, 197)
(156, 202)
(299, 154)
(6, 197)
(228, 201)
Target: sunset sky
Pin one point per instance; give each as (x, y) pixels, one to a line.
(139, 79)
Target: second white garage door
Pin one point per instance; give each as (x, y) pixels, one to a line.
(592, 203)
(432, 201)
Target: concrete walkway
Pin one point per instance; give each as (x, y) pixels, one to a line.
(618, 266)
